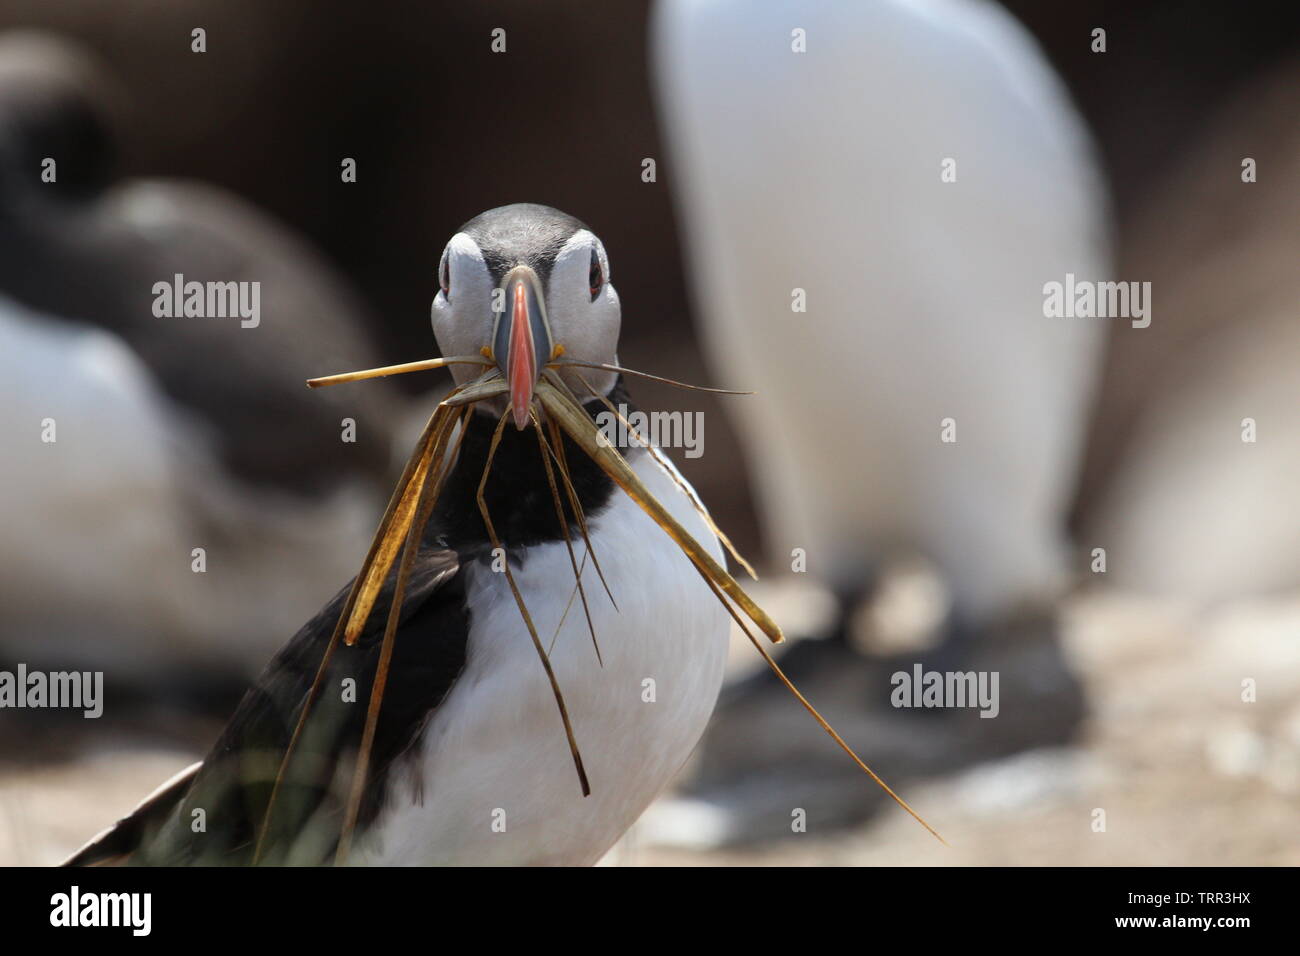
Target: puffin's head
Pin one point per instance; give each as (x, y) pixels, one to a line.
(525, 284)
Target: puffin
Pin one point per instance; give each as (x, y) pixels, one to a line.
(471, 762)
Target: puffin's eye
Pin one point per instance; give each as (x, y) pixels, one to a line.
(595, 277)
(444, 275)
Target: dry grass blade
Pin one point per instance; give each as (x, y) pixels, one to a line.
(377, 690)
(483, 388)
(565, 410)
(568, 606)
(676, 479)
(821, 721)
(571, 363)
(416, 465)
(377, 565)
(574, 420)
(421, 366)
(562, 464)
(426, 499)
(375, 571)
(523, 609)
(564, 530)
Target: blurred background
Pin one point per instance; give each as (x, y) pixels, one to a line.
(773, 169)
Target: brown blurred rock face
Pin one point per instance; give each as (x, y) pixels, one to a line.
(1181, 502)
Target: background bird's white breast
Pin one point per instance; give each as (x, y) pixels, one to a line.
(924, 296)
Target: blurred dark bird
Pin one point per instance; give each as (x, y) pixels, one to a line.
(233, 454)
(470, 762)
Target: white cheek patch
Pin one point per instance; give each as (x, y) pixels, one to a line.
(568, 294)
(574, 257)
(462, 245)
(464, 260)
(470, 278)
(462, 323)
(580, 240)
(588, 329)
(573, 266)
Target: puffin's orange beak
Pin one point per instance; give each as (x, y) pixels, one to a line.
(522, 343)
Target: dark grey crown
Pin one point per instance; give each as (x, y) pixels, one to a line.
(522, 233)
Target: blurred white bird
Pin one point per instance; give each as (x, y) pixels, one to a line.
(873, 197)
(824, 175)
(109, 489)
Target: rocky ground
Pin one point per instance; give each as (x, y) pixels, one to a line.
(1186, 772)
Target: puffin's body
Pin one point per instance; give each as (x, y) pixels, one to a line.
(496, 745)
(470, 762)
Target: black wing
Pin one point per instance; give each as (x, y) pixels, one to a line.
(217, 818)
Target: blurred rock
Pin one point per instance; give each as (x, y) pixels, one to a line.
(1164, 682)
